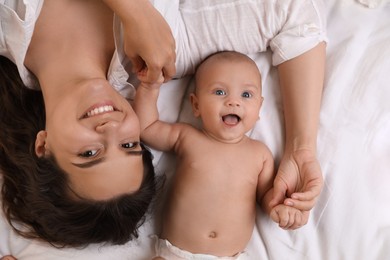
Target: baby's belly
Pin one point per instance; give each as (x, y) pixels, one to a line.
(209, 225)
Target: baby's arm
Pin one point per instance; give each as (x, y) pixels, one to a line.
(145, 103)
(265, 181)
(157, 134)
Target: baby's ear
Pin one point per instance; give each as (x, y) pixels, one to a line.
(195, 105)
(261, 104)
(40, 144)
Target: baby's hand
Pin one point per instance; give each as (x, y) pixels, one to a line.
(148, 85)
(289, 218)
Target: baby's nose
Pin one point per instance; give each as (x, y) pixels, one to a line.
(233, 102)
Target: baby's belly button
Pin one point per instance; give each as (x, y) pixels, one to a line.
(213, 234)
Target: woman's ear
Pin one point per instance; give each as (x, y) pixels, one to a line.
(195, 105)
(40, 144)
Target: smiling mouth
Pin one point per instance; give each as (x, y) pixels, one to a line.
(231, 119)
(99, 110)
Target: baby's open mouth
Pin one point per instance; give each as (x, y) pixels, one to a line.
(231, 119)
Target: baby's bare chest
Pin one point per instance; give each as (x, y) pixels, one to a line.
(233, 167)
(219, 155)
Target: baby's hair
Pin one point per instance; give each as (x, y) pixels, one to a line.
(223, 56)
(35, 191)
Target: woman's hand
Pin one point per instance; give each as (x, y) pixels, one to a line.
(148, 40)
(299, 181)
(142, 76)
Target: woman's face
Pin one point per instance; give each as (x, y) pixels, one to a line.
(94, 135)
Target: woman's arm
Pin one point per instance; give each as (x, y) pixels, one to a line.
(148, 40)
(299, 178)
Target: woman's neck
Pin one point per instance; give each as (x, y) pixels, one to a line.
(72, 41)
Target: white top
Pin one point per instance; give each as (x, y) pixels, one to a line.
(17, 21)
(201, 27)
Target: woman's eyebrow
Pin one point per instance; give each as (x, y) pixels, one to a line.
(89, 163)
(135, 152)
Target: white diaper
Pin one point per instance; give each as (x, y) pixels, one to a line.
(170, 252)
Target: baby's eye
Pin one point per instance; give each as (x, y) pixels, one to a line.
(129, 145)
(89, 153)
(246, 94)
(220, 92)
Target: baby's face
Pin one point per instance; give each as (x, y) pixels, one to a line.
(228, 98)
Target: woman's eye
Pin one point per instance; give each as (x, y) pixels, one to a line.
(220, 92)
(89, 153)
(129, 145)
(246, 95)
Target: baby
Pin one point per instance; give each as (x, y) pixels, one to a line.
(221, 172)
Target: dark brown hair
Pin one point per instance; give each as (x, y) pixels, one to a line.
(35, 190)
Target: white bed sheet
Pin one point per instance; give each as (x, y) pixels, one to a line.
(352, 217)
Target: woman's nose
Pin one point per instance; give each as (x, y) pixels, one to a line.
(107, 126)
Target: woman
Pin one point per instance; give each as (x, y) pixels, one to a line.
(73, 166)
(92, 134)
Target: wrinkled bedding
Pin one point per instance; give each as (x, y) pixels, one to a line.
(352, 217)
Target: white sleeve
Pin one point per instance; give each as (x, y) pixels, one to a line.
(304, 27)
(17, 21)
(202, 27)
